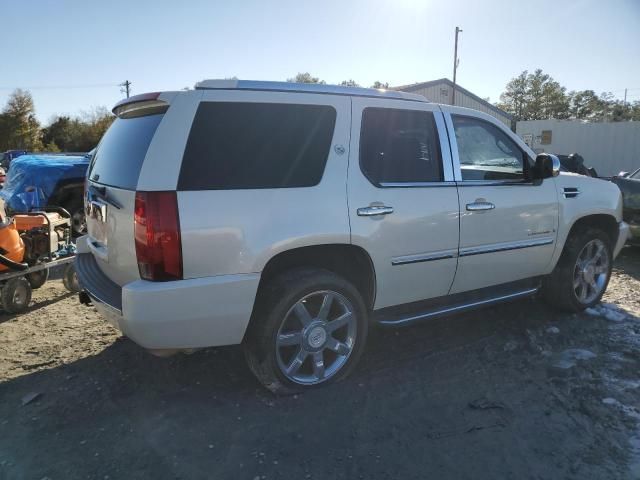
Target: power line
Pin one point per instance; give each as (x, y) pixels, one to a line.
(61, 87)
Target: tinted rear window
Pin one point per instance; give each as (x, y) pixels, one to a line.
(256, 145)
(399, 146)
(118, 159)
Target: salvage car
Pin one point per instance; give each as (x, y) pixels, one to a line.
(289, 217)
(629, 184)
(575, 163)
(45, 180)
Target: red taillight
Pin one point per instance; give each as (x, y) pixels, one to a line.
(157, 236)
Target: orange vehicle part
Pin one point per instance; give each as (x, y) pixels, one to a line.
(27, 222)
(11, 243)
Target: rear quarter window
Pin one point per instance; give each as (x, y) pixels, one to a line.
(236, 145)
(118, 159)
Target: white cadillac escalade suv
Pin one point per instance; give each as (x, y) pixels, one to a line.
(288, 217)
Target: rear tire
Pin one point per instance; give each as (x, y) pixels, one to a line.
(308, 329)
(582, 274)
(37, 279)
(16, 295)
(70, 279)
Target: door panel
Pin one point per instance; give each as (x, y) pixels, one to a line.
(508, 225)
(515, 240)
(414, 244)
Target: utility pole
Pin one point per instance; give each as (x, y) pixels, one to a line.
(127, 86)
(625, 97)
(455, 66)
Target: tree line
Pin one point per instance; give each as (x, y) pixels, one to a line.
(20, 129)
(306, 77)
(529, 96)
(537, 96)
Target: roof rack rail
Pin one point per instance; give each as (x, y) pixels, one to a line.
(306, 88)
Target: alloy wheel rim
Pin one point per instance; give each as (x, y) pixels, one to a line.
(591, 271)
(316, 337)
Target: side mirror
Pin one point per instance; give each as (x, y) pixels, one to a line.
(623, 174)
(546, 166)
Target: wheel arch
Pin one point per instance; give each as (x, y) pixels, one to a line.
(349, 261)
(602, 221)
(66, 192)
(606, 222)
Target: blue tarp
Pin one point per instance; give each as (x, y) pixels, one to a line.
(31, 179)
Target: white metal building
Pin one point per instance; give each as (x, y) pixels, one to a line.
(441, 91)
(608, 147)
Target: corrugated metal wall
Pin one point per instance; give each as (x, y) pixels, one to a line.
(441, 93)
(607, 147)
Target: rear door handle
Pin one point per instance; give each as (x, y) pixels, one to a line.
(374, 210)
(480, 206)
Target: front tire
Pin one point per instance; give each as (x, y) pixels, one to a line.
(16, 295)
(308, 329)
(582, 273)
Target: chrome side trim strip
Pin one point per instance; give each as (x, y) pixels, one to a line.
(418, 184)
(494, 183)
(502, 247)
(459, 308)
(466, 252)
(423, 257)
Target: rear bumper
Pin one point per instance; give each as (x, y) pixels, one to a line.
(192, 313)
(623, 235)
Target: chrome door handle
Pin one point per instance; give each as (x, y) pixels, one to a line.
(480, 206)
(374, 210)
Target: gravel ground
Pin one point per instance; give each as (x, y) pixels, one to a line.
(516, 391)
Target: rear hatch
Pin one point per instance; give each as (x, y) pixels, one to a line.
(112, 180)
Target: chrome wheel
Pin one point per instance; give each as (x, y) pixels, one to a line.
(591, 271)
(316, 337)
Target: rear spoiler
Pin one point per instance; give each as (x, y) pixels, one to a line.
(140, 105)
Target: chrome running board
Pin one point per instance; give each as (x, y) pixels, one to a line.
(442, 310)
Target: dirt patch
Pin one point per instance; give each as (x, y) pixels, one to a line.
(516, 391)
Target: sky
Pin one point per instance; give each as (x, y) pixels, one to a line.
(72, 54)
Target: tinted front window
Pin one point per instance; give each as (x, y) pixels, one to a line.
(486, 152)
(118, 160)
(257, 145)
(399, 146)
